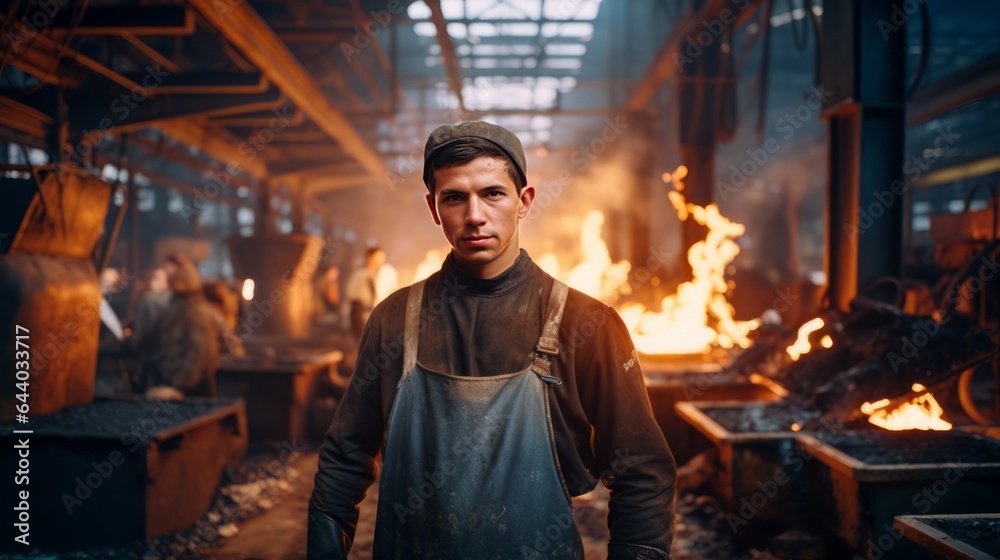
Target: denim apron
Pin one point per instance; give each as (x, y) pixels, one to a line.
(469, 469)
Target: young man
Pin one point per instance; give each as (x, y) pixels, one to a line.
(498, 392)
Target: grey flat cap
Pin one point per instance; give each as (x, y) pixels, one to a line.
(505, 139)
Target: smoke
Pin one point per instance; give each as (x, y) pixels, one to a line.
(576, 185)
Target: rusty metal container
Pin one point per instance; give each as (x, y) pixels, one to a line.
(953, 537)
(759, 481)
(122, 470)
(279, 388)
(49, 288)
(669, 382)
(862, 480)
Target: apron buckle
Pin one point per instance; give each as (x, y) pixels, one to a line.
(547, 346)
(542, 366)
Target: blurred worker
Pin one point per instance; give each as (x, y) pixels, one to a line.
(111, 283)
(328, 320)
(112, 376)
(225, 306)
(362, 291)
(508, 394)
(180, 349)
(158, 282)
(330, 290)
(152, 303)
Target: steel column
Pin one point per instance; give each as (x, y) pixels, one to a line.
(865, 71)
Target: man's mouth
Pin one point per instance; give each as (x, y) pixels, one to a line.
(476, 239)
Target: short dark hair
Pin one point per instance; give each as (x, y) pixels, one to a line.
(371, 252)
(464, 151)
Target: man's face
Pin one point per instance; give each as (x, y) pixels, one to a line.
(376, 260)
(478, 208)
(158, 280)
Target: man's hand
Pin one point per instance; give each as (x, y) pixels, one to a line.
(619, 551)
(325, 539)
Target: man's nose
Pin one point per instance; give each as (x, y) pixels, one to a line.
(474, 212)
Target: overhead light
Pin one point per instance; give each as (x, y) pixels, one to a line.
(248, 288)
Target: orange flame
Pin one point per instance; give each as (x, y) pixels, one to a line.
(431, 263)
(683, 324)
(921, 413)
(596, 275)
(801, 345)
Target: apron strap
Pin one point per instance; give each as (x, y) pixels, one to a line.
(548, 344)
(412, 332)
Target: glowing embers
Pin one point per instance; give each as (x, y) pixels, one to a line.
(802, 345)
(920, 413)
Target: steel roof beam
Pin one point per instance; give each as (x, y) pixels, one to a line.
(137, 20)
(245, 29)
(453, 71)
(663, 68)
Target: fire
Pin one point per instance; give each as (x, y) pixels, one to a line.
(431, 263)
(698, 316)
(597, 276)
(801, 345)
(921, 413)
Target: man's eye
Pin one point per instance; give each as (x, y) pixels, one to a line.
(495, 194)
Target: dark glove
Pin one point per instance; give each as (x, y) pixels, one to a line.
(619, 551)
(326, 540)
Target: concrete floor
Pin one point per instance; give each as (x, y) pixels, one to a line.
(280, 533)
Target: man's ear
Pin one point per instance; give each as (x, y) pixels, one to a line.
(527, 197)
(430, 204)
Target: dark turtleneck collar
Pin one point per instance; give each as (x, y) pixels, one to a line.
(499, 285)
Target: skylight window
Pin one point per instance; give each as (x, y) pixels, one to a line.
(507, 9)
(425, 29)
(519, 29)
(504, 43)
(503, 50)
(562, 63)
(566, 49)
(486, 63)
(571, 9)
(418, 10)
(569, 29)
(483, 29)
(452, 9)
(457, 30)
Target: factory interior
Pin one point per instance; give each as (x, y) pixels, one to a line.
(787, 203)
